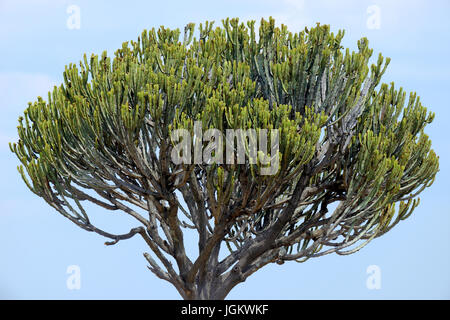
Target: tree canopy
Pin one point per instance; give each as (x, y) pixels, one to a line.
(352, 153)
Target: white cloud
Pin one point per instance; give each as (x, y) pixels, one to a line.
(4, 140)
(349, 14)
(293, 14)
(8, 6)
(297, 4)
(17, 88)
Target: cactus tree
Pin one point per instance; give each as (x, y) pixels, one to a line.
(352, 154)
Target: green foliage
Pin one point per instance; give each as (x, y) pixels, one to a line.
(107, 129)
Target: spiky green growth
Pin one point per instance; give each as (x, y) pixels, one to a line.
(104, 136)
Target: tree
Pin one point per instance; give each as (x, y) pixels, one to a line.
(350, 155)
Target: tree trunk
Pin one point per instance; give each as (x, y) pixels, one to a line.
(208, 289)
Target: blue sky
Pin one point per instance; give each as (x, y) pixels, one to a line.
(37, 244)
